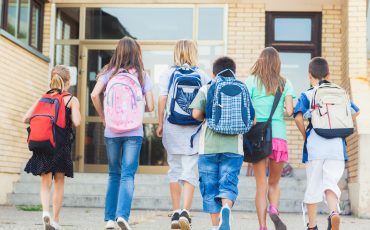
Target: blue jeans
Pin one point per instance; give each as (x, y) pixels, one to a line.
(218, 177)
(123, 160)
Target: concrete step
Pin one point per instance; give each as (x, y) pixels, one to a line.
(159, 203)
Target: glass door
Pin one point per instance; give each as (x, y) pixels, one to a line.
(91, 134)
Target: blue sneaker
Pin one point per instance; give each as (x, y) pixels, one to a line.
(225, 216)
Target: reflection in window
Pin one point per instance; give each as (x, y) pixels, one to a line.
(23, 32)
(68, 55)
(36, 11)
(294, 66)
(207, 17)
(68, 23)
(207, 54)
(95, 151)
(152, 150)
(293, 29)
(12, 13)
(140, 23)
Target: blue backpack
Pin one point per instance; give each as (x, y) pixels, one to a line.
(184, 85)
(229, 109)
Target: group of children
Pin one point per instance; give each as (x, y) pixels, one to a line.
(197, 153)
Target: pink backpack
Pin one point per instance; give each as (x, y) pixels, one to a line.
(123, 103)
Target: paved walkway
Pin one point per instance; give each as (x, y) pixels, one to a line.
(91, 219)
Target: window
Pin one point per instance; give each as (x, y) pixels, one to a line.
(297, 37)
(68, 23)
(23, 19)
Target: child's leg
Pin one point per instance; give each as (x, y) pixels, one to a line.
(208, 167)
(332, 200)
(189, 177)
(275, 170)
(58, 195)
(46, 180)
(311, 211)
(259, 169)
(174, 173)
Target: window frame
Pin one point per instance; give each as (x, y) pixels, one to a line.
(38, 3)
(313, 46)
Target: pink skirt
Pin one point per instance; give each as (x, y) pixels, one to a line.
(279, 150)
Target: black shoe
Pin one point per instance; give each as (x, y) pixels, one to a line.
(314, 228)
(175, 221)
(185, 221)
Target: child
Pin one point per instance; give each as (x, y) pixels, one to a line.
(220, 157)
(123, 144)
(182, 159)
(324, 158)
(54, 165)
(263, 85)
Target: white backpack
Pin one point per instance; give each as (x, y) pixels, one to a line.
(331, 111)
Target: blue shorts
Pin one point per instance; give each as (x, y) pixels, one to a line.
(218, 177)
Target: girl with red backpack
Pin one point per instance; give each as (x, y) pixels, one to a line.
(127, 93)
(50, 139)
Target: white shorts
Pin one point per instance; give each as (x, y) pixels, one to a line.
(183, 168)
(322, 175)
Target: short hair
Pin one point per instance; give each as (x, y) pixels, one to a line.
(224, 63)
(318, 68)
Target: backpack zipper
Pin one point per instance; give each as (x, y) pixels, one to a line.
(132, 91)
(52, 122)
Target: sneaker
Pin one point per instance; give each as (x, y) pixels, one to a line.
(47, 224)
(333, 221)
(175, 220)
(225, 216)
(110, 225)
(314, 228)
(185, 220)
(56, 226)
(274, 215)
(122, 224)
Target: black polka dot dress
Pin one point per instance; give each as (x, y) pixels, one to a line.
(60, 162)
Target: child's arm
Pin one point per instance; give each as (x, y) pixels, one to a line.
(76, 115)
(95, 97)
(289, 105)
(149, 101)
(198, 115)
(27, 116)
(162, 100)
(300, 124)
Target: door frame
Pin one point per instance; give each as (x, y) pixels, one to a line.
(81, 166)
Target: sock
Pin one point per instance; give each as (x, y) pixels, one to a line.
(273, 210)
(45, 213)
(214, 227)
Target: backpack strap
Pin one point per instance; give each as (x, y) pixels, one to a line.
(70, 99)
(276, 102)
(53, 90)
(225, 70)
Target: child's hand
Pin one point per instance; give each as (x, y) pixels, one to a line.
(159, 130)
(254, 121)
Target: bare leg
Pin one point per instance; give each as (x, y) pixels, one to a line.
(188, 195)
(46, 180)
(261, 185)
(227, 202)
(311, 209)
(58, 195)
(275, 171)
(214, 219)
(175, 189)
(332, 201)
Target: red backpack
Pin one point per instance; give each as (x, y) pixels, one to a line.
(47, 129)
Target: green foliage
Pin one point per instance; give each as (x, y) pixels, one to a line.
(29, 208)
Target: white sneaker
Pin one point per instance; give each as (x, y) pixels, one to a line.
(56, 226)
(110, 224)
(46, 221)
(122, 223)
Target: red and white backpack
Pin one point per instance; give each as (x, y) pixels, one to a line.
(123, 103)
(47, 129)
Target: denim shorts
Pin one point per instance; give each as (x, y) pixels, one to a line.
(218, 177)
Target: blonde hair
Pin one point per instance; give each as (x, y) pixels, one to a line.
(60, 75)
(267, 71)
(186, 52)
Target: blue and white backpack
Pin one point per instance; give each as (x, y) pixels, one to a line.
(184, 85)
(229, 108)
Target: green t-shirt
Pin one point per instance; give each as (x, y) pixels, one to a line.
(263, 104)
(209, 141)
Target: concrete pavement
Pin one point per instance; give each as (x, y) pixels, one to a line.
(92, 219)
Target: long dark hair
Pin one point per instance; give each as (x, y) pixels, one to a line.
(127, 55)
